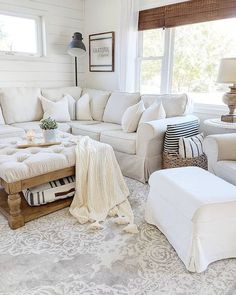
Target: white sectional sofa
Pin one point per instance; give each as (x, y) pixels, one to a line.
(139, 153)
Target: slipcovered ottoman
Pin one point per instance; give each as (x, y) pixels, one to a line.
(27, 170)
(196, 211)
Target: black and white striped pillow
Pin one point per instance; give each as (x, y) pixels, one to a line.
(176, 131)
(191, 147)
(50, 191)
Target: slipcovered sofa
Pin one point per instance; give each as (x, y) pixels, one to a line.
(139, 153)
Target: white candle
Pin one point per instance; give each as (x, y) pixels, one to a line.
(30, 135)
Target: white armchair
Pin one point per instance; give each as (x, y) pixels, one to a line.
(221, 153)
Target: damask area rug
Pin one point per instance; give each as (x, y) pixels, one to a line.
(54, 255)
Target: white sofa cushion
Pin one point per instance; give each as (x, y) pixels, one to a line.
(58, 110)
(94, 130)
(174, 104)
(118, 104)
(20, 104)
(10, 131)
(152, 113)
(78, 123)
(121, 141)
(2, 121)
(55, 94)
(58, 93)
(132, 116)
(98, 102)
(65, 127)
(83, 110)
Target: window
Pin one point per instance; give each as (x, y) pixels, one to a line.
(190, 59)
(152, 60)
(20, 35)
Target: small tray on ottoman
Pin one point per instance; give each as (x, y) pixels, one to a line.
(37, 144)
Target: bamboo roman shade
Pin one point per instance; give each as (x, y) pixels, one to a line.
(184, 13)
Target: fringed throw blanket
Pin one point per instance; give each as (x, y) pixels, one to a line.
(100, 187)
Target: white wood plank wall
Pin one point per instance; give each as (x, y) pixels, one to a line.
(61, 18)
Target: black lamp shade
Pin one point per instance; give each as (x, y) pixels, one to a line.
(76, 47)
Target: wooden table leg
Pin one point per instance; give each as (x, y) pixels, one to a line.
(15, 219)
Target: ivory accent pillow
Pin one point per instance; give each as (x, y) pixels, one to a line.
(83, 110)
(174, 104)
(98, 102)
(154, 112)
(117, 104)
(58, 110)
(132, 116)
(21, 104)
(54, 94)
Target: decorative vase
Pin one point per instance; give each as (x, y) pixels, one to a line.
(50, 135)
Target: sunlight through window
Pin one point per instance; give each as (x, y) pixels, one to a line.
(193, 59)
(19, 35)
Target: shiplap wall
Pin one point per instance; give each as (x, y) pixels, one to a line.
(108, 19)
(61, 19)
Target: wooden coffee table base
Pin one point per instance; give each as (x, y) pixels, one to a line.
(14, 206)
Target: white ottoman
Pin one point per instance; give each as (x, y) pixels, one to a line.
(196, 211)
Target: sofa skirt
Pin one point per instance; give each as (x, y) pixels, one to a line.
(138, 168)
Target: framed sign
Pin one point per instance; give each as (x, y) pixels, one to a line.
(101, 52)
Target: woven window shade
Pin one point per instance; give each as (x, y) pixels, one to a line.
(190, 12)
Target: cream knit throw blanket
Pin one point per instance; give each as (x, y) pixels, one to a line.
(100, 187)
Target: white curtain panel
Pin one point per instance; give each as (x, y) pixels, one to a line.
(128, 45)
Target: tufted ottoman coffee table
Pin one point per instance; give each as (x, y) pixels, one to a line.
(25, 168)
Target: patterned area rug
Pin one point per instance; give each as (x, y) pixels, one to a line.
(55, 255)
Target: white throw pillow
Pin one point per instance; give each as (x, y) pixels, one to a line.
(21, 104)
(117, 104)
(174, 104)
(191, 147)
(73, 93)
(154, 112)
(98, 102)
(132, 116)
(58, 110)
(83, 110)
(71, 105)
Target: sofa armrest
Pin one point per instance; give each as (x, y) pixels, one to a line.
(219, 147)
(150, 135)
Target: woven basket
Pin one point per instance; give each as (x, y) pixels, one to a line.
(174, 161)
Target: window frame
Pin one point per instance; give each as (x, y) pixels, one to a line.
(39, 34)
(167, 72)
(167, 60)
